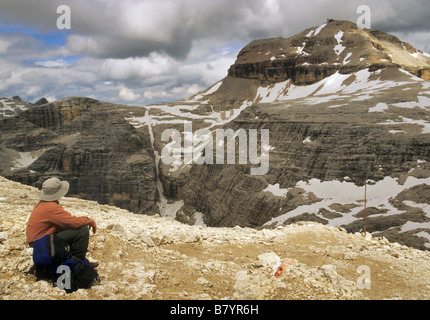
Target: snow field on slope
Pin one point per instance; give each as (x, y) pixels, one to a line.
(347, 193)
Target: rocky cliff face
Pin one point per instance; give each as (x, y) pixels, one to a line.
(317, 53)
(344, 108)
(10, 107)
(87, 143)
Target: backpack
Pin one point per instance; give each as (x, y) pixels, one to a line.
(51, 256)
(50, 251)
(82, 275)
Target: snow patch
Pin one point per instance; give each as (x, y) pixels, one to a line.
(333, 84)
(25, 159)
(213, 89)
(178, 113)
(338, 49)
(318, 30)
(380, 107)
(425, 235)
(300, 50)
(170, 209)
(423, 103)
(310, 33)
(412, 76)
(9, 108)
(271, 93)
(200, 96)
(276, 190)
(424, 124)
(347, 193)
(331, 88)
(347, 57)
(220, 118)
(198, 216)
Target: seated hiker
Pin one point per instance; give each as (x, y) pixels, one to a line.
(48, 217)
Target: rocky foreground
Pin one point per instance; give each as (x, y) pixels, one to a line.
(150, 257)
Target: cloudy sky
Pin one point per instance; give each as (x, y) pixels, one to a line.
(140, 52)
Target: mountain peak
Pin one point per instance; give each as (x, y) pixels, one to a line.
(321, 51)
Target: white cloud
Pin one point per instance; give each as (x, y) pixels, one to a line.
(153, 65)
(4, 45)
(59, 63)
(128, 95)
(51, 98)
(152, 51)
(150, 94)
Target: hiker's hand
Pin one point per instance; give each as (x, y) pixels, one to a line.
(93, 226)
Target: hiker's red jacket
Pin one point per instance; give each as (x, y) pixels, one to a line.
(50, 218)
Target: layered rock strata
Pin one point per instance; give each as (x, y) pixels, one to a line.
(87, 143)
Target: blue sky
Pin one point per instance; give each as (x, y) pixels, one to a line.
(52, 38)
(145, 51)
